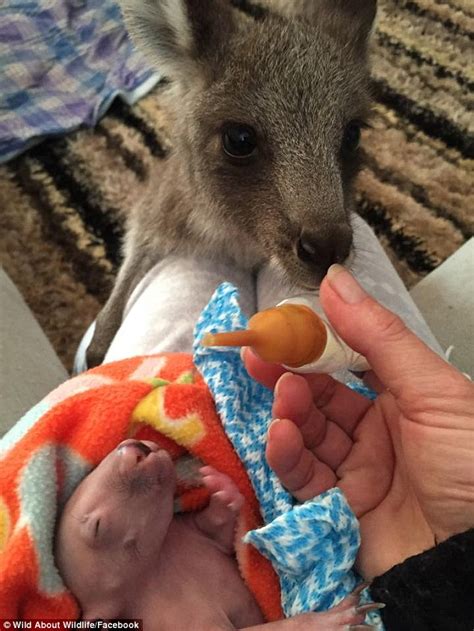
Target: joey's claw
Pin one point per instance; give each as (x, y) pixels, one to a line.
(206, 470)
(360, 588)
(237, 504)
(223, 489)
(350, 613)
(364, 609)
(226, 499)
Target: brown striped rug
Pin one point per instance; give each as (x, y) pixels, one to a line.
(62, 203)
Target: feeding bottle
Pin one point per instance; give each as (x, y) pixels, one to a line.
(292, 334)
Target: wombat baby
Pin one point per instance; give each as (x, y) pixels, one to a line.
(267, 105)
(124, 554)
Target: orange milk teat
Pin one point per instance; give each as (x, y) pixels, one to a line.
(289, 334)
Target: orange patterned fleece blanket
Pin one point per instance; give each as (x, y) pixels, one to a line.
(57, 443)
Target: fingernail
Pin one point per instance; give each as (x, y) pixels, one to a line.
(345, 285)
(273, 424)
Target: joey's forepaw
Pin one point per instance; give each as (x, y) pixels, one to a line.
(225, 495)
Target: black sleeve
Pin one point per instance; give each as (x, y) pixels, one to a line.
(433, 591)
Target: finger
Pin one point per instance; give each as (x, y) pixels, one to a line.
(402, 362)
(338, 402)
(332, 399)
(294, 401)
(300, 472)
(263, 372)
(371, 380)
(367, 476)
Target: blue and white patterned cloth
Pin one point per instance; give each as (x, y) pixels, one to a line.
(312, 546)
(62, 62)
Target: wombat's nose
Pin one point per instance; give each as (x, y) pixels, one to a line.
(139, 448)
(321, 250)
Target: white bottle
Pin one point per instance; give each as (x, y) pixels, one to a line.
(337, 355)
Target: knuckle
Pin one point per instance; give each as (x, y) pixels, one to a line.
(388, 325)
(327, 393)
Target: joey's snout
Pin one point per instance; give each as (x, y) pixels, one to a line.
(138, 448)
(318, 250)
(142, 466)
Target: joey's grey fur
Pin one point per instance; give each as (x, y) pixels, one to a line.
(298, 77)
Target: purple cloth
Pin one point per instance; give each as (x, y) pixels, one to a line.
(61, 64)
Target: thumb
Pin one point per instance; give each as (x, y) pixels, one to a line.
(401, 361)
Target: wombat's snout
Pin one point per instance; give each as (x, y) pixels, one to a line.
(143, 461)
(320, 250)
(138, 448)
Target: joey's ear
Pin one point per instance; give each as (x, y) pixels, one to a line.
(350, 21)
(177, 36)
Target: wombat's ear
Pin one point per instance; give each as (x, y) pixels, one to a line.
(175, 35)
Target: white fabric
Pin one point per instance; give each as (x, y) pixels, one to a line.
(164, 307)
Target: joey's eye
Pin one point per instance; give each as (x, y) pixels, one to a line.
(239, 141)
(351, 138)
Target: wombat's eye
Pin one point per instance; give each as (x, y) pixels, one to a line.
(351, 138)
(239, 141)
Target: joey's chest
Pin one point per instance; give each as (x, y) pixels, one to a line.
(201, 589)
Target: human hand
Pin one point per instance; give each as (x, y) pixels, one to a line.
(405, 461)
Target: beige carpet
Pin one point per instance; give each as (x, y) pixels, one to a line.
(62, 203)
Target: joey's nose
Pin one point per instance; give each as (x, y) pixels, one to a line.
(321, 250)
